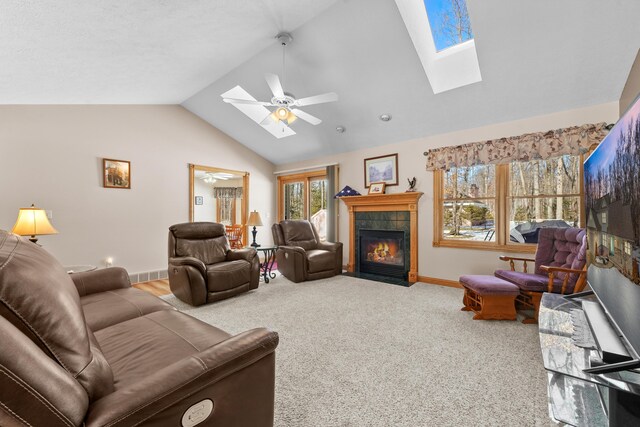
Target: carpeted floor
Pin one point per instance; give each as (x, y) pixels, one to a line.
(354, 352)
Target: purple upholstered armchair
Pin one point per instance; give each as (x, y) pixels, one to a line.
(560, 267)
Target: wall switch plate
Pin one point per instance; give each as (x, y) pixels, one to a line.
(49, 214)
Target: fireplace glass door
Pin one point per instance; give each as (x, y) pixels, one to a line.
(382, 252)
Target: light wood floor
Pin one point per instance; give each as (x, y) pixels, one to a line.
(155, 287)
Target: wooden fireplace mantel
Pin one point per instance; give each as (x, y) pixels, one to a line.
(381, 203)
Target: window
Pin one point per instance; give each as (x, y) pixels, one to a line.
(304, 196)
(469, 204)
(612, 246)
(503, 207)
(449, 22)
(628, 248)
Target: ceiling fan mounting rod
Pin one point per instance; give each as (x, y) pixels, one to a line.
(284, 39)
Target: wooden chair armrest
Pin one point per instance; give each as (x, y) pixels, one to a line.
(552, 274)
(511, 260)
(550, 270)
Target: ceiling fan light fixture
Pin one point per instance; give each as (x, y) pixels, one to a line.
(283, 114)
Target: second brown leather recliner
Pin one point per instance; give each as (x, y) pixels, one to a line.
(301, 255)
(202, 266)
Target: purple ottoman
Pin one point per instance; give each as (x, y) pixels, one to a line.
(489, 297)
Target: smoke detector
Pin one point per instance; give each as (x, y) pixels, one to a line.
(340, 129)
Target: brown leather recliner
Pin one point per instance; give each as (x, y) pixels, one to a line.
(202, 266)
(137, 361)
(301, 255)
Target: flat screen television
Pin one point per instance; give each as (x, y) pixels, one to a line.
(612, 203)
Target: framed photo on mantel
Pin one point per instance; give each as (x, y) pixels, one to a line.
(381, 169)
(377, 188)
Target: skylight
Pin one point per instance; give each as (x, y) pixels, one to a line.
(448, 54)
(449, 22)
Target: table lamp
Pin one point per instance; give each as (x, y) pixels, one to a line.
(33, 222)
(254, 219)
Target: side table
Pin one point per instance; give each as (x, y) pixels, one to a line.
(269, 261)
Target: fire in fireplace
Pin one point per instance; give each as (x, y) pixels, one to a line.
(382, 252)
(386, 251)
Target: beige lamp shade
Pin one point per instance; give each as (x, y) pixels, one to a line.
(254, 219)
(33, 222)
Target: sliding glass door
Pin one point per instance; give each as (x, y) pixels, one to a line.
(304, 196)
(294, 200)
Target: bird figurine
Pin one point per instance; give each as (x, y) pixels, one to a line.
(412, 184)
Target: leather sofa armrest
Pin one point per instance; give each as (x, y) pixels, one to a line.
(106, 279)
(328, 246)
(295, 249)
(336, 248)
(188, 260)
(292, 263)
(169, 391)
(247, 254)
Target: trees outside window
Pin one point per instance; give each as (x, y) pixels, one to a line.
(504, 206)
(304, 196)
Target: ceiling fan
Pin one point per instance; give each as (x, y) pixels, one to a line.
(286, 111)
(211, 177)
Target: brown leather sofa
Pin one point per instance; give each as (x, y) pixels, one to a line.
(90, 350)
(301, 255)
(202, 266)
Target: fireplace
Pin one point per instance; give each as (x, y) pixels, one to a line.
(382, 252)
(396, 212)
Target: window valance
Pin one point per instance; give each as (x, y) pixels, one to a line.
(530, 146)
(227, 192)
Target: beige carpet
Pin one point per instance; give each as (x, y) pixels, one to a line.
(358, 353)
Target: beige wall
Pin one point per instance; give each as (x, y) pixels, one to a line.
(445, 263)
(51, 156)
(632, 86)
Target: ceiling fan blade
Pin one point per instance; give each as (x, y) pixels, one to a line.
(267, 120)
(258, 113)
(245, 101)
(306, 116)
(274, 84)
(317, 99)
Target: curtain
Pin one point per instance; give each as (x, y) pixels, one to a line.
(225, 210)
(332, 220)
(226, 203)
(227, 192)
(531, 146)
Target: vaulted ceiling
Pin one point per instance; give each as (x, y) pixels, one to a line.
(536, 57)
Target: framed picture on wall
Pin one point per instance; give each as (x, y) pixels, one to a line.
(199, 200)
(116, 173)
(381, 169)
(377, 188)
